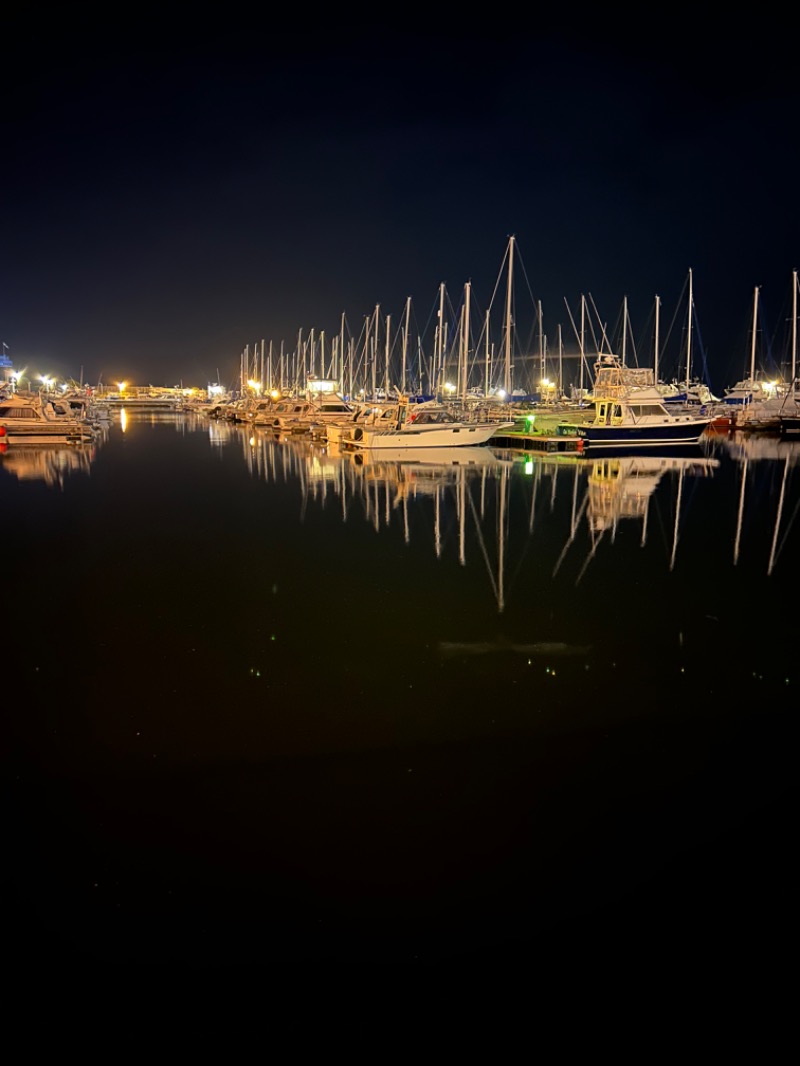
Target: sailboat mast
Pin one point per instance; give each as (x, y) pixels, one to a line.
(794, 329)
(624, 326)
(465, 343)
(560, 364)
(375, 353)
(541, 343)
(583, 329)
(655, 345)
(689, 336)
(437, 370)
(386, 380)
(486, 384)
(753, 342)
(405, 346)
(507, 378)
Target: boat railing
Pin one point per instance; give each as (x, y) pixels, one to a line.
(617, 382)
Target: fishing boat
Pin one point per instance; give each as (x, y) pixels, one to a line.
(25, 419)
(630, 412)
(425, 425)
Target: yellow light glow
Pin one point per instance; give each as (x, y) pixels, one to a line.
(122, 385)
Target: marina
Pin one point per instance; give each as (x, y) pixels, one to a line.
(398, 707)
(400, 492)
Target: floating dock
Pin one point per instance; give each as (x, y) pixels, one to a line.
(539, 442)
(545, 430)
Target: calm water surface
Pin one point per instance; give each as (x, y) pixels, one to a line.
(269, 702)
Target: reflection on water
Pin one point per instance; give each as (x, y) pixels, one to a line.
(399, 709)
(604, 491)
(50, 463)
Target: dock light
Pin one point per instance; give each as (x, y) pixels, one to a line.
(275, 394)
(449, 387)
(255, 386)
(501, 393)
(121, 385)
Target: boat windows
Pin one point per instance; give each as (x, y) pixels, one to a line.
(645, 410)
(17, 412)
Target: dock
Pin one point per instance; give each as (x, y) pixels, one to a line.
(545, 430)
(539, 442)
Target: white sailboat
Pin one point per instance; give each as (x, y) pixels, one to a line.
(789, 416)
(758, 401)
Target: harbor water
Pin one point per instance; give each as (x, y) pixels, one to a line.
(269, 701)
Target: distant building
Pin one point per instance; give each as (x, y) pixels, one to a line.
(6, 366)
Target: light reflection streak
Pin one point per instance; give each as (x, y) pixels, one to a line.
(461, 491)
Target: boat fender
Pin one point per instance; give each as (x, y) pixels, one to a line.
(2, 431)
(580, 444)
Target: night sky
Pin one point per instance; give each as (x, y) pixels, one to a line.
(172, 193)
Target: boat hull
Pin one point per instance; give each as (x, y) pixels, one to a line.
(653, 436)
(45, 434)
(790, 427)
(411, 437)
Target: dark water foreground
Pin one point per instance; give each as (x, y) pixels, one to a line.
(270, 704)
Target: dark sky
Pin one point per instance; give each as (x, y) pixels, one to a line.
(172, 193)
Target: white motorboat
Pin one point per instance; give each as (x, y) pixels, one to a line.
(425, 425)
(25, 419)
(380, 413)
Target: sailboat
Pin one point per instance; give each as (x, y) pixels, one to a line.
(789, 415)
(757, 401)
